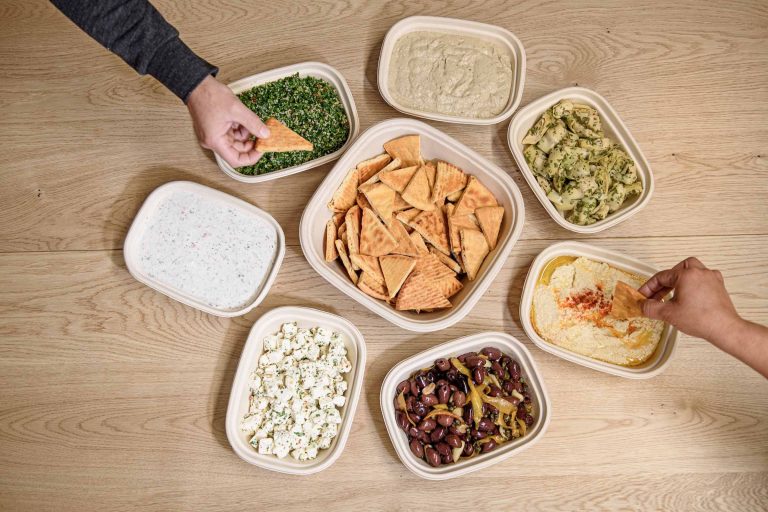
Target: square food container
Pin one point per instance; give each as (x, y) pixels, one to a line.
(403, 370)
(434, 144)
(131, 248)
(652, 367)
(315, 69)
(270, 323)
(613, 127)
(461, 28)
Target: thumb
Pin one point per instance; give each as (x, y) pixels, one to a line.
(252, 123)
(657, 310)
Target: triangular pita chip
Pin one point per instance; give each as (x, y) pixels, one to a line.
(404, 243)
(449, 179)
(455, 224)
(352, 223)
(490, 218)
(431, 171)
(407, 149)
(448, 286)
(475, 195)
(430, 266)
(418, 242)
(338, 218)
(343, 238)
(419, 293)
(381, 198)
(396, 269)
(400, 204)
(627, 302)
(281, 138)
(431, 225)
(330, 239)
(474, 249)
(345, 195)
(345, 261)
(399, 178)
(362, 202)
(371, 287)
(341, 230)
(369, 265)
(446, 260)
(455, 196)
(369, 168)
(391, 166)
(418, 192)
(375, 238)
(408, 215)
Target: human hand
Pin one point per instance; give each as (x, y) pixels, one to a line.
(222, 123)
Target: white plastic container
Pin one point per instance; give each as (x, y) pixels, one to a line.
(613, 127)
(132, 246)
(462, 28)
(315, 69)
(434, 144)
(403, 370)
(270, 323)
(655, 364)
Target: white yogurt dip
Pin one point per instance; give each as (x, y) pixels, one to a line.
(207, 249)
(450, 74)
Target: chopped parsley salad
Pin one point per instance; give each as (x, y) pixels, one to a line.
(307, 105)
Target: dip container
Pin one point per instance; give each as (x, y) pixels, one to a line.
(434, 144)
(457, 27)
(270, 323)
(509, 345)
(315, 69)
(142, 222)
(667, 343)
(613, 127)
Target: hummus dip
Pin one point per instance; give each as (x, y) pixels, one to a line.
(450, 74)
(571, 306)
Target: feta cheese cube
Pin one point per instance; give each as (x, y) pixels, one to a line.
(271, 342)
(266, 446)
(339, 400)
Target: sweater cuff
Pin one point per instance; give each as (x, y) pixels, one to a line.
(179, 68)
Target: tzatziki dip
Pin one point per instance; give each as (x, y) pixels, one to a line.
(207, 249)
(450, 74)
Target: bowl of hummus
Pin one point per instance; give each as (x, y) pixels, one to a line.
(565, 310)
(452, 70)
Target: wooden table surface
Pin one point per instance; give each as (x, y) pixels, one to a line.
(114, 396)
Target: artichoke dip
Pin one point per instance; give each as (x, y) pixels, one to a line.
(450, 74)
(571, 306)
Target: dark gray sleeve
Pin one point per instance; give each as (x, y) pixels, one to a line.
(135, 31)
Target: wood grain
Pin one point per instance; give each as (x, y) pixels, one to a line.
(114, 396)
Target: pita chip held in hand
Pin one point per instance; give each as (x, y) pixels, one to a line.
(627, 302)
(282, 139)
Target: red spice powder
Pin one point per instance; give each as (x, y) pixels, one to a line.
(592, 301)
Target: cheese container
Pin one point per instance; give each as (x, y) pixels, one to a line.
(613, 127)
(434, 144)
(458, 27)
(270, 323)
(510, 346)
(667, 344)
(315, 69)
(210, 224)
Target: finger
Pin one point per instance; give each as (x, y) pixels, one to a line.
(236, 158)
(660, 280)
(243, 146)
(240, 133)
(251, 122)
(692, 262)
(660, 294)
(657, 310)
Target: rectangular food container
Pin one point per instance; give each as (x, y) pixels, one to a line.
(270, 323)
(131, 248)
(434, 144)
(403, 370)
(660, 358)
(613, 127)
(461, 28)
(315, 69)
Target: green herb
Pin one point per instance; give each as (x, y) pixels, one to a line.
(309, 106)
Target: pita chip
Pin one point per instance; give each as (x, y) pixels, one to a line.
(369, 168)
(345, 261)
(341, 231)
(474, 249)
(345, 196)
(369, 265)
(419, 293)
(407, 149)
(398, 179)
(408, 215)
(627, 302)
(430, 266)
(418, 242)
(455, 196)
(362, 202)
(431, 171)
(446, 260)
(418, 193)
(405, 245)
(375, 238)
(475, 195)
(396, 269)
(330, 241)
(338, 218)
(456, 223)
(391, 166)
(371, 287)
(400, 204)
(448, 286)
(489, 218)
(352, 223)
(431, 225)
(448, 180)
(382, 200)
(281, 139)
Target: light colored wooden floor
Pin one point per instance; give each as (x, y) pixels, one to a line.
(113, 396)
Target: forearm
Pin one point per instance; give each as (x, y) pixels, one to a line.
(138, 33)
(747, 342)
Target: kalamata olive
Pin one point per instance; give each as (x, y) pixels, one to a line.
(402, 421)
(452, 373)
(413, 431)
(528, 420)
(404, 387)
(437, 434)
(478, 374)
(497, 369)
(427, 425)
(417, 448)
(442, 364)
(414, 387)
(410, 402)
(429, 400)
(421, 381)
(518, 387)
(507, 386)
(443, 449)
(474, 361)
(453, 430)
(485, 425)
(459, 398)
(414, 417)
(467, 354)
(441, 382)
(521, 412)
(446, 459)
(445, 420)
(504, 360)
(492, 352)
(494, 390)
(469, 415)
(443, 394)
(453, 441)
(489, 409)
(477, 434)
(468, 450)
(527, 397)
(420, 409)
(424, 437)
(433, 458)
(487, 447)
(514, 370)
(452, 387)
(430, 376)
(511, 399)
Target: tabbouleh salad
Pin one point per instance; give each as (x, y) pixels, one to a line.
(309, 106)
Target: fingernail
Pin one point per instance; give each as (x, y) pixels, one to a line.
(263, 133)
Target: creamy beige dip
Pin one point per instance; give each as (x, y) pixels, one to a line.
(450, 74)
(571, 306)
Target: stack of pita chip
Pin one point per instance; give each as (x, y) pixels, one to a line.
(406, 230)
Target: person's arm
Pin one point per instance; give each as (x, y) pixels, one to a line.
(702, 307)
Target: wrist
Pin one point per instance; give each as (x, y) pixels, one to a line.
(729, 333)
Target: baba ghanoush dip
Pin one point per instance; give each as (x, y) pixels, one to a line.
(450, 74)
(571, 305)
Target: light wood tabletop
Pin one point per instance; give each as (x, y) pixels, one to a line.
(113, 396)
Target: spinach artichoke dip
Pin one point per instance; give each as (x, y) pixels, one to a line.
(571, 306)
(450, 74)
